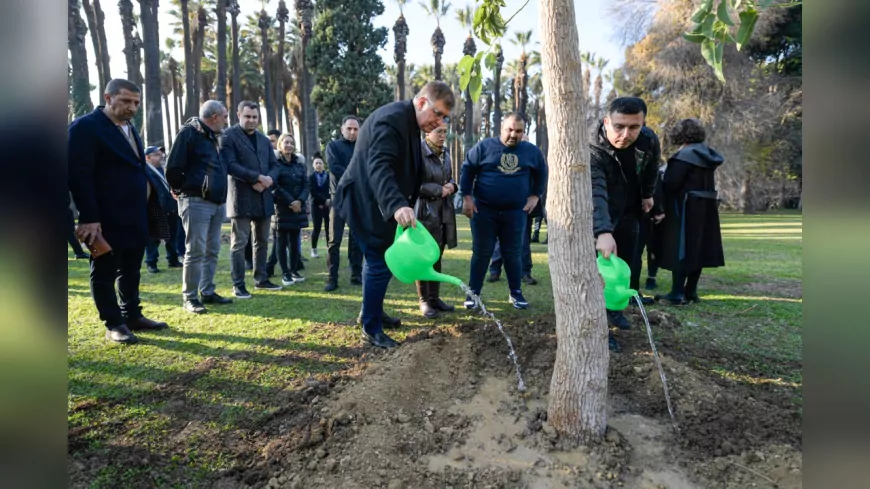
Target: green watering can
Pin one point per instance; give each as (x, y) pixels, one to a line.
(617, 275)
(412, 255)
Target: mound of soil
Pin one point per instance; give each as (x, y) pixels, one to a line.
(443, 411)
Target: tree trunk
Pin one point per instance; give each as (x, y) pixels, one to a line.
(264, 23)
(280, 91)
(95, 38)
(198, 43)
(578, 389)
(400, 47)
(237, 84)
(438, 42)
(154, 117)
(191, 108)
(496, 78)
(747, 199)
(104, 52)
(81, 85)
(221, 87)
(166, 110)
(487, 116)
(132, 51)
(309, 131)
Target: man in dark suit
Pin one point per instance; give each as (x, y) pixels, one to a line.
(380, 187)
(154, 156)
(109, 185)
(252, 167)
(338, 155)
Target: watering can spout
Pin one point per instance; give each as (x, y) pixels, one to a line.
(434, 276)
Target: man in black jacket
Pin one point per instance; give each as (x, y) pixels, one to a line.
(338, 155)
(380, 187)
(252, 166)
(198, 175)
(624, 163)
(155, 156)
(108, 182)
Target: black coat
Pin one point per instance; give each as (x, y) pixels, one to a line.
(384, 174)
(435, 212)
(319, 193)
(338, 155)
(691, 237)
(107, 179)
(291, 184)
(245, 165)
(609, 183)
(159, 185)
(194, 167)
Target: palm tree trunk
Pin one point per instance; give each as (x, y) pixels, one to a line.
(81, 86)
(95, 38)
(309, 129)
(400, 47)
(221, 89)
(104, 49)
(132, 51)
(168, 121)
(496, 79)
(237, 84)
(154, 120)
(191, 108)
(265, 22)
(578, 388)
(198, 43)
(438, 42)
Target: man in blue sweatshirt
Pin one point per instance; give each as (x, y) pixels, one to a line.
(501, 180)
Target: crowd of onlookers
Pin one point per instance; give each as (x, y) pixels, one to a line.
(392, 170)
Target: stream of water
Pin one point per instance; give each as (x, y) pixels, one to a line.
(657, 360)
(521, 386)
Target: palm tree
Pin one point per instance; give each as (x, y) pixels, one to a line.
(600, 64)
(496, 92)
(132, 50)
(190, 107)
(400, 30)
(198, 27)
(466, 19)
(304, 9)
(610, 78)
(76, 33)
(94, 27)
(487, 108)
(154, 121)
(283, 16)
(588, 60)
(103, 57)
(437, 9)
(221, 87)
(521, 96)
(265, 22)
(165, 90)
(234, 10)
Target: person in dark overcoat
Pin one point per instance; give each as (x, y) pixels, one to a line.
(291, 215)
(319, 184)
(692, 239)
(380, 187)
(435, 211)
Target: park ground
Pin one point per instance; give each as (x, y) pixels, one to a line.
(278, 391)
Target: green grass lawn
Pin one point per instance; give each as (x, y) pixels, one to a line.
(229, 370)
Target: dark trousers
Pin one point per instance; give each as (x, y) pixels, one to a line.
(487, 226)
(685, 283)
(121, 268)
(496, 264)
(71, 234)
(625, 235)
(645, 229)
(152, 249)
(375, 278)
(288, 241)
(321, 218)
(354, 251)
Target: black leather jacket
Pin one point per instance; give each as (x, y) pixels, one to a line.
(608, 181)
(194, 167)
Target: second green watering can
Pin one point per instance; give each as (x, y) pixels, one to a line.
(412, 255)
(617, 277)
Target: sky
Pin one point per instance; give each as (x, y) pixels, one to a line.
(594, 25)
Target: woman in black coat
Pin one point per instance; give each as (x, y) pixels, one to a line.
(691, 239)
(290, 190)
(436, 211)
(319, 184)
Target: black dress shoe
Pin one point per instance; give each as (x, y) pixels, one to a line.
(693, 298)
(355, 281)
(529, 280)
(121, 334)
(142, 324)
(330, 286)
(380, 339)
(672, 299)
(616, 318)
(152, 268)
(175, 264)
(493, 277)
(650, 284)
(194, 306)
(215, 299)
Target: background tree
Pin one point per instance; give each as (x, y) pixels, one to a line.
(437, 9)
(77, 31)
(283, 16)
(496, 91)
(304, 13)
(521, 95)
(466, 20)
(165, 91)
(400, 47)
(198, 27)
(234, 10)
(265, 23)
(99, 47)
(221, 85)
(175, 74)
(151, 42)
(600, 64)
(191, 108)
(343, 55)
(132, 51)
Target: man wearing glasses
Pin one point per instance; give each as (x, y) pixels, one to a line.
(380, 187)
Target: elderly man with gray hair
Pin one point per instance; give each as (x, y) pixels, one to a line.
(198, 176)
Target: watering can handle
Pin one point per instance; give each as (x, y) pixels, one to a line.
(399, 231)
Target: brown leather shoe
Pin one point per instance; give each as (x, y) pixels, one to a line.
(144, 324)
(121, 334)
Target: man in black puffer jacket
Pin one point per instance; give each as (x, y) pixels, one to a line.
(198, 176)
(624, 161)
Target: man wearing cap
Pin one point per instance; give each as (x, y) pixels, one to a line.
(155, 156)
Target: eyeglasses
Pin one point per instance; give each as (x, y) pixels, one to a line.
(444, 117)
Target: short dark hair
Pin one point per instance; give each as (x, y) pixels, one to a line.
(687, 131)
(515, 115)
(349, 118)
(627, 105)
(317, 156)
(115, 86)
(274, 132)
(438, 90)
(247, 104)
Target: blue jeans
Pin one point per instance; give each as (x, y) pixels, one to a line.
(375, 277)
(487, 226)
(495, 265)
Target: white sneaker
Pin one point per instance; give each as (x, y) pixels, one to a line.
(314, 253)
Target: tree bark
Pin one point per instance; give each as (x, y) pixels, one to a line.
(265, 58)
(132, 51)
(166, 110)
(191, 107)
(104, 49)
(221, 86)
(237, 84)
(578, 389)
(95, 38)
(154, 116)
(197, 53)
(77, 31)
(496, 78)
